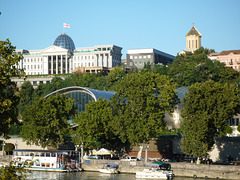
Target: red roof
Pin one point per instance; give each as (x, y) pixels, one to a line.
(230, 51)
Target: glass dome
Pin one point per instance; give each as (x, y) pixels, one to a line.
(64, 41)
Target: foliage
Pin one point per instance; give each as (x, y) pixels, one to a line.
(15, 129)
(94, 126)
(116, 75)
(9, 147)
(26, 96)
(191, 68)
(228, 130)
(8, 89)
(238, 128)
(45, 122)
(207, 107)
(14, 172)
(140, 104)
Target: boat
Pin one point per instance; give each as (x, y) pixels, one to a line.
(159, 170)
(47, 160)
(109, 168)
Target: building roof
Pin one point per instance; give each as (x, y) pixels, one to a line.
(96, 94)
(64, 41)
(230, 51)
(193, 32)
(181, 92)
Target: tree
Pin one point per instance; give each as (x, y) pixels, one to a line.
(45, 121)
(140, 104)
(191, 68)
(26, 96)
(207, 107)
(8, 97)
(117, 74)
(95, 125)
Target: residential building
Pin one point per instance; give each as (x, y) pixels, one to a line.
(63, 58)
(136, 58)
(230, 58)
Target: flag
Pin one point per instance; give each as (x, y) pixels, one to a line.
(66, 25)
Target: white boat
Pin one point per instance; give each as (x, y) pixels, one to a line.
(109, 168)
(163, 171)
(47, 160)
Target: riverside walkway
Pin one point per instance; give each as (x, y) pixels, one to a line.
(180, 169)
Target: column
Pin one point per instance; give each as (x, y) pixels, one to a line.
(51, 64)
(66, 64)
(61, 64)
(56, 64)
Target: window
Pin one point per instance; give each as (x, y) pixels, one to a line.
(140, 63)
(131, 57)
(131, 63)
(135, 57)
(144, 57)
(140, 57)
(135, 63)
(149, 56)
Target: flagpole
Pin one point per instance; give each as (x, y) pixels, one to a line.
(63, 28)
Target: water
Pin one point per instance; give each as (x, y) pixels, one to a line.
(37, 175)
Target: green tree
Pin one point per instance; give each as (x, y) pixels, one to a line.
(45, 121)
(191, 68)
(117, 74)
(26, 96)
(140, 104)
(15, 172)
(8, 97)
(94, 126)
(207, 107)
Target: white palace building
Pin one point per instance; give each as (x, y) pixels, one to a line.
(63, 58)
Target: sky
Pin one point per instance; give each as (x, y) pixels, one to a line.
(130, 24)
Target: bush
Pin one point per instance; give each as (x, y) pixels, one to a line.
(9, 147)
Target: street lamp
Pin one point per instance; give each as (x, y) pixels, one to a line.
(16, 145)
(146, 153)
(82, 146)
(3, 145)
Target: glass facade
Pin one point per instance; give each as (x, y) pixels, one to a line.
(64, 41)
(81, 98)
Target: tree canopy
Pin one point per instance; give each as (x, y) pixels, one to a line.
(94, 126)
(140, 104)
(8, 97)
(191, 68)
(207, 107)
(45, 121)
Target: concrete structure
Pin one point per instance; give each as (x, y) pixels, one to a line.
(136, 58)
(193, 40)
(63, 58)
(230, 58)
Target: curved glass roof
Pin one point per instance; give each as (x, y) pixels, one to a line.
(181, 92)
(95, 94)
(64, 41)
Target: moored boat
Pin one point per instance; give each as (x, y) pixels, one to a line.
(47, 160)
(160, 170)
(109, 168)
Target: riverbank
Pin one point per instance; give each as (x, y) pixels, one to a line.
(180, 169)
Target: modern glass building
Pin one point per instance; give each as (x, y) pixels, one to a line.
(82, 96)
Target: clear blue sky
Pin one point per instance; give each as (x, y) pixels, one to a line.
(130, 24)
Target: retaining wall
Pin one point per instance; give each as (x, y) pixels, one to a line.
(179, 169)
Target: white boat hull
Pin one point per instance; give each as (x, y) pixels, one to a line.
(148, 174)
(108, 171)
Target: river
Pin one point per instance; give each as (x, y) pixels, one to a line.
(37, 175)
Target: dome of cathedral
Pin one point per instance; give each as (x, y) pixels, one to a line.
(64, 41)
